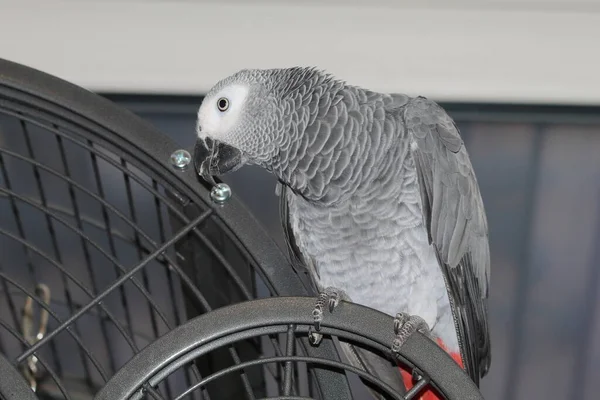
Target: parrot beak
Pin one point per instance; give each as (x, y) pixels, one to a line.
(214, 158)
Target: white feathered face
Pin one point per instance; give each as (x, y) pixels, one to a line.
(220, 113)
(236, 125)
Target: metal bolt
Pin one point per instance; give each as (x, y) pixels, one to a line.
(180, 158)
(220, 193)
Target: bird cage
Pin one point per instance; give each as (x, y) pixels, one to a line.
(108, 241)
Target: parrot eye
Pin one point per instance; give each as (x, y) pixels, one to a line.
(223, 104)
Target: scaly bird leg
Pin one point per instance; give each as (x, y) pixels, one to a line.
(330, 297)
(406, 325)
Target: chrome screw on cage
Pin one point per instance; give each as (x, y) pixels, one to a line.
(220, 193)
(180, 159)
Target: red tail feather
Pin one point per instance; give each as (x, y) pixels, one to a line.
(429, 394)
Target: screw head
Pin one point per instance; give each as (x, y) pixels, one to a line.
(180, 158)
(220, 193)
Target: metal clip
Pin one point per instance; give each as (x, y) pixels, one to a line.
(31, 370)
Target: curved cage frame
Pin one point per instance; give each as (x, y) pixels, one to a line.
(291, 317)
(126, 143)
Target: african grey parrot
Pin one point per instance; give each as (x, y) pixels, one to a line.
(380, 200)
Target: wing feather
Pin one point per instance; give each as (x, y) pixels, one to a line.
(456, 224)
(303, 267)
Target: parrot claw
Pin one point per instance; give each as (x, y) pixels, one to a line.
(313, 337)
(330, 297)
(404, 326)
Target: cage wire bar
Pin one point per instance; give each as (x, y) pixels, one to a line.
(105, 248)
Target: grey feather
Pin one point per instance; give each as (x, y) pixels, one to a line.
(456, 223)
(380, 198)
(358, 357)
(300, 264)
(368, 128)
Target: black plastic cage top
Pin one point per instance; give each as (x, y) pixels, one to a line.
(105, 246)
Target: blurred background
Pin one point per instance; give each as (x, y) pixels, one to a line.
(521, 78)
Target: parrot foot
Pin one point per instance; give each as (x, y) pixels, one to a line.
(330, 297)
(406, 325)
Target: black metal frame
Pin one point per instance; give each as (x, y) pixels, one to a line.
(23, 89)
(288, 315)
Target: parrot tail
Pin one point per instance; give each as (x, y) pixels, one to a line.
(429, 394)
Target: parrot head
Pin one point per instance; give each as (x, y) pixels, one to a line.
(260, 117)
(236, 121)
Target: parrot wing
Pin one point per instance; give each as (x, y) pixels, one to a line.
(305, 268)
(456, 224)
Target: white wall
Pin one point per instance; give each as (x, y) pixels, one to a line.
(540, 51)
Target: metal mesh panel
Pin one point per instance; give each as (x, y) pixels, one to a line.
(103, 246)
